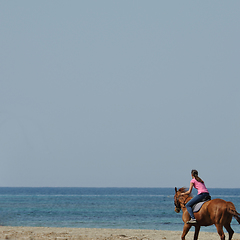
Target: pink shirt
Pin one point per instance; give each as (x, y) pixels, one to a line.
(199, 186)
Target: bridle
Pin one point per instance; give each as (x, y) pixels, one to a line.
(177, 203)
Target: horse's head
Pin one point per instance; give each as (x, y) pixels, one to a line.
(179, 199)
(176, 201)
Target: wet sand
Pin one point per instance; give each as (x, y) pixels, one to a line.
(32, 233)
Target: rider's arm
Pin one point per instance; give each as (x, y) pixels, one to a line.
(189, 190)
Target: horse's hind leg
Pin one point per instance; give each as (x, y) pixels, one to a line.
(220, 231)
(229, 229)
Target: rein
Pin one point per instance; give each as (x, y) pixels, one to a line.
(184, 203)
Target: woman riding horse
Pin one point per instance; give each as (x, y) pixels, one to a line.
(203, 193)
(216, 211)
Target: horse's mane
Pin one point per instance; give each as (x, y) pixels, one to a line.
(182, 190)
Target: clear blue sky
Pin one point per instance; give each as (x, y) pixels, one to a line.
(119, 93)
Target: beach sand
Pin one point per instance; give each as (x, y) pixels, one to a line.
(32, 233)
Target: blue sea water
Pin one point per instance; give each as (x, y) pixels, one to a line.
(129, 208)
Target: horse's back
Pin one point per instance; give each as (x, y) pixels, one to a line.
(216, 204)
(217, 209)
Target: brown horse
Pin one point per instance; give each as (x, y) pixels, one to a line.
(216, 211)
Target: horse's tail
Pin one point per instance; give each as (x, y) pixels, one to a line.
(232, 210)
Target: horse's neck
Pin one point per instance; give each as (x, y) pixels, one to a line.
(186, 199)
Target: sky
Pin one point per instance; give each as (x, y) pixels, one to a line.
(119, 93)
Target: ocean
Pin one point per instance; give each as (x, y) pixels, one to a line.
(127, 208)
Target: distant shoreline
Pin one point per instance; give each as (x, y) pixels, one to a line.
(115, 187)
(38, 233)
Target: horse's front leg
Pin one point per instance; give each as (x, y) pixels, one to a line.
(186, 229)
(197, 229)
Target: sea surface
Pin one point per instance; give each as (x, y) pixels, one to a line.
(129, 208)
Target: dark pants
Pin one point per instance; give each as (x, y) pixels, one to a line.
(193, 201)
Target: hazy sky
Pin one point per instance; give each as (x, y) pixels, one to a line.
(124, 93)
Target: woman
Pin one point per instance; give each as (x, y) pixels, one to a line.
(197, 183)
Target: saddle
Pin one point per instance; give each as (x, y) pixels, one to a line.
(198, 206)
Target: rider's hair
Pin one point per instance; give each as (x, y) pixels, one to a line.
(195, 174)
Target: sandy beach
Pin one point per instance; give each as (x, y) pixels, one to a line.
(98, 234)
